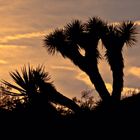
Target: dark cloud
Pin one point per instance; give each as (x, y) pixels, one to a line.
(41, 14)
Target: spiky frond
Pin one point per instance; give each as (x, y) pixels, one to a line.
(74, 30)
(112, 30)
(128, 31)
(54, 42)
(96, 26)
(22, 92)
(40, 74)
(27, 82)
(110, 38)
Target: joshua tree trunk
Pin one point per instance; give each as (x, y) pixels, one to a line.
(118, 78)
(99, 84)
(49, 92)
(117, 85)
(92, 71)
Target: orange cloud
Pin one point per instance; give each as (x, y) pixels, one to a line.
(23, 36)
(3, 61)
(63, 68)
(83, 77)
(116, 23)
(137, 22)
(12, 47)
(135, 71)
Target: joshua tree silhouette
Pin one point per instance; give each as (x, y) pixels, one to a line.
(34, 85)
(78, 36)
(114, 39)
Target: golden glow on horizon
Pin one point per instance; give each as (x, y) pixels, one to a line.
(83, 77)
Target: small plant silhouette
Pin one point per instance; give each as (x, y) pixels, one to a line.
(34, 85)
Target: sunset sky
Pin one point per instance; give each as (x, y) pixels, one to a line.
(25, 22)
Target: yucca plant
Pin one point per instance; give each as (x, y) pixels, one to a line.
(34, 84)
